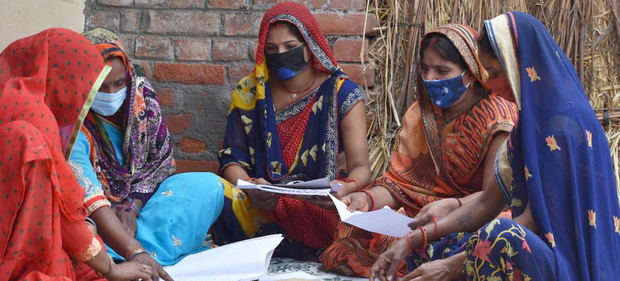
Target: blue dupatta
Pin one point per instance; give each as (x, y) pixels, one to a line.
(559, 154)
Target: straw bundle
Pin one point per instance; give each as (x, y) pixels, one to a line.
(587, 31)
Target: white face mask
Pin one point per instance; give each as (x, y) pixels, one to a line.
(107, 104)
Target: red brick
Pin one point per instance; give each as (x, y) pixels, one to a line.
(347, 24)
(229, 50)
(146, 65)
(166, 97)
(178, 123)
(184, 166)
(190, 73)
(124, 3)
(311, 4)
(153, 47)
(152, 3)
(349, 50)
(187, 3)
(105, 19)
(130, 20)
(192, 145)
(236, 72)
(359, 5)
(355, 72)
(192, 49)
(227, 4)
(242, 24)
(183, 22)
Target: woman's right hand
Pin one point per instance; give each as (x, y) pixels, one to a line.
(387, 264)
(263, 200)
(129, 271)
(357, 201)
(438, 209)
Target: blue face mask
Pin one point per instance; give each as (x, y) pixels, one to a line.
(444, 93)
(107, 104)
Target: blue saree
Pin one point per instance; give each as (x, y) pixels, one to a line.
(557, 161)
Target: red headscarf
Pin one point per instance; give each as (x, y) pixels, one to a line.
(298, 15)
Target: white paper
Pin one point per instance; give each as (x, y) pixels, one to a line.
(385, 221)
(284, 190)
(243, 260)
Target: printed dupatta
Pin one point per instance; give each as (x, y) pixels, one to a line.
(251, 139)
(147, 150)
(558, 152)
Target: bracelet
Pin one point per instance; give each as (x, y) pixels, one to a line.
(459, 200)
(436, 229)
(92, 222)
(109, 271)
(409, 243)
(424, 237)
(372, 200)
(134, 207)
(357, 186)
(135, 253)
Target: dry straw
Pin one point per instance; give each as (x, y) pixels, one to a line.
(587, 31)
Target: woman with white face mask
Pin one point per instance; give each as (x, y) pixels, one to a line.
(124, 160)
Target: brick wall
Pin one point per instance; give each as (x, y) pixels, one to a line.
(195, 51)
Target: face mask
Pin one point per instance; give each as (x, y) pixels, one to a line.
(500, 87)
(288, 64)
(107, 104)
(444, 93)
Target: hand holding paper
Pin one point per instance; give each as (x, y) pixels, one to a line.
(384, 221)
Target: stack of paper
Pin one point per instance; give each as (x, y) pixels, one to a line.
(308, 188)
(243, 260)
(385, 221)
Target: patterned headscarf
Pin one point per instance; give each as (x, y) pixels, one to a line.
(147, 150)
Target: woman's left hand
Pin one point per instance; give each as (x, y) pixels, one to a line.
(438, 270)
(128, 220)
(323, 202)
(437, 209)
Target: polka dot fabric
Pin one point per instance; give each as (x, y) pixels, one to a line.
(46, 86)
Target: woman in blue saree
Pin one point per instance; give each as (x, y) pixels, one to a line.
(289, 120)
(554, 172)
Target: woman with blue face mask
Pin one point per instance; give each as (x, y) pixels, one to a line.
(123, 159)
(443, 155)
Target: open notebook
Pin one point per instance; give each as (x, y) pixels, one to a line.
(243, 260)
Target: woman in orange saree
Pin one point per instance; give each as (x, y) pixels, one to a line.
(47, 82)
(441, 150)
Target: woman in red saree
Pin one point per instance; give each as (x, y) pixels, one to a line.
(442, 150)
(47, 82)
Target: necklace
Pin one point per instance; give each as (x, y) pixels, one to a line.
(295, 93)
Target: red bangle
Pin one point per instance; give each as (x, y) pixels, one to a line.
(409, 243)
(357, 186)
(436, 229)
(459, 200)
(424, 239)
(372, 200)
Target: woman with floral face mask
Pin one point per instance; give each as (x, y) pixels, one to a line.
(289, 119)
(123, 158)
(445, 149)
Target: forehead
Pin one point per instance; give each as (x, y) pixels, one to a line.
(432, 58)
(280, 32)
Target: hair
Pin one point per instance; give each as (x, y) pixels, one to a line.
(444, 47)
(292, 28)
(484, 45)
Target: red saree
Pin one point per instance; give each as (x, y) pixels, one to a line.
(47, 82)
(433, 159)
